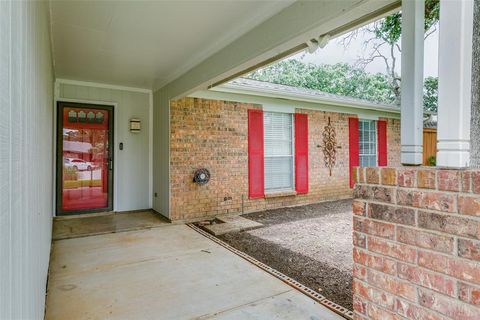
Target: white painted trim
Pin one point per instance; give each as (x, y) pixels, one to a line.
(115, 141)
(369, 117)
(454, 84)
(102, 85)
(411, 131)
(150, 150)
(50, 37)
(56, 96)
(361, 112)
(278, 108)
(297, 96)
(306, 98)
(411, 154)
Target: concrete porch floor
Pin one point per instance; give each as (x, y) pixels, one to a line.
(171, 272)
(68, 227)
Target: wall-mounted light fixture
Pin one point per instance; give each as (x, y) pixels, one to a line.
(135, 125)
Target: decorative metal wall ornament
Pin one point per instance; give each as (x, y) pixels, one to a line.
(329, 146)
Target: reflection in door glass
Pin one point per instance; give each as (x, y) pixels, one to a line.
(85, 159)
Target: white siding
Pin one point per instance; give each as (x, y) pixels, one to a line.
(133, 162)
(26, 118)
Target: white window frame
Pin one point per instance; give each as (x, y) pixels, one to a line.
(292, 188)
(375, 137)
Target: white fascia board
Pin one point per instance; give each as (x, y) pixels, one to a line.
(289, 103)
(102, 85)
(279, 94)
(273, 107)
(368, 117)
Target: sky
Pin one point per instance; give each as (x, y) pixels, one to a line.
(335, 52)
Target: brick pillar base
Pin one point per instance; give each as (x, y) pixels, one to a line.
(416, 243)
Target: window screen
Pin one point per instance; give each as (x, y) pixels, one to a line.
(278, 139)
(368, 143)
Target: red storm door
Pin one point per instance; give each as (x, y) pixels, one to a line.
(84, 158)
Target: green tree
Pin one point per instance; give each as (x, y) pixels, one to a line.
(390, 28)
(354, 81)
(341, 79)
(386, 33)
(430, 94)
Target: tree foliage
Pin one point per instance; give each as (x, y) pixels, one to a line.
(430, 94)
(383, 42)
(353, 81)
(390, 28)
(341, 79)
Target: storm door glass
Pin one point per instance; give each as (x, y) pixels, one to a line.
(85, 162)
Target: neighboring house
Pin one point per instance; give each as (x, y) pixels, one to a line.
(77, 149)
(269, 146)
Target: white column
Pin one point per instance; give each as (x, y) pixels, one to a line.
(412, 82)
(454, 83)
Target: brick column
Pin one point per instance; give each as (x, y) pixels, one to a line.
(416, 243)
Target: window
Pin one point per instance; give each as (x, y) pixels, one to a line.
(278, 144)
(368, 143)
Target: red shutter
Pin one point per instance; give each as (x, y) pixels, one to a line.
(354, 145)
(382, 143)
(301, 153)
(255, 154)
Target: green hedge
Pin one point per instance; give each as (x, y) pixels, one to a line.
(73, 184)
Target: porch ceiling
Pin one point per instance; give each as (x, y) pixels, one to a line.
(137, 43)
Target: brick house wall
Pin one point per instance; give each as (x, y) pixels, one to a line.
(417, 248)
(393, 143)
(214, 134)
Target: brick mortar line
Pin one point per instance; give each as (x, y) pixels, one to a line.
(419, 248)
(417, 228)
(360, 298)
(450, 298)
(383, 255)
(416, 265)
(417, 286)
(374, 253)
(436, 273)
(379, 306)
(394, 277)
(455, 246)
(397, 187)
(452, 214)
(426, 309)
